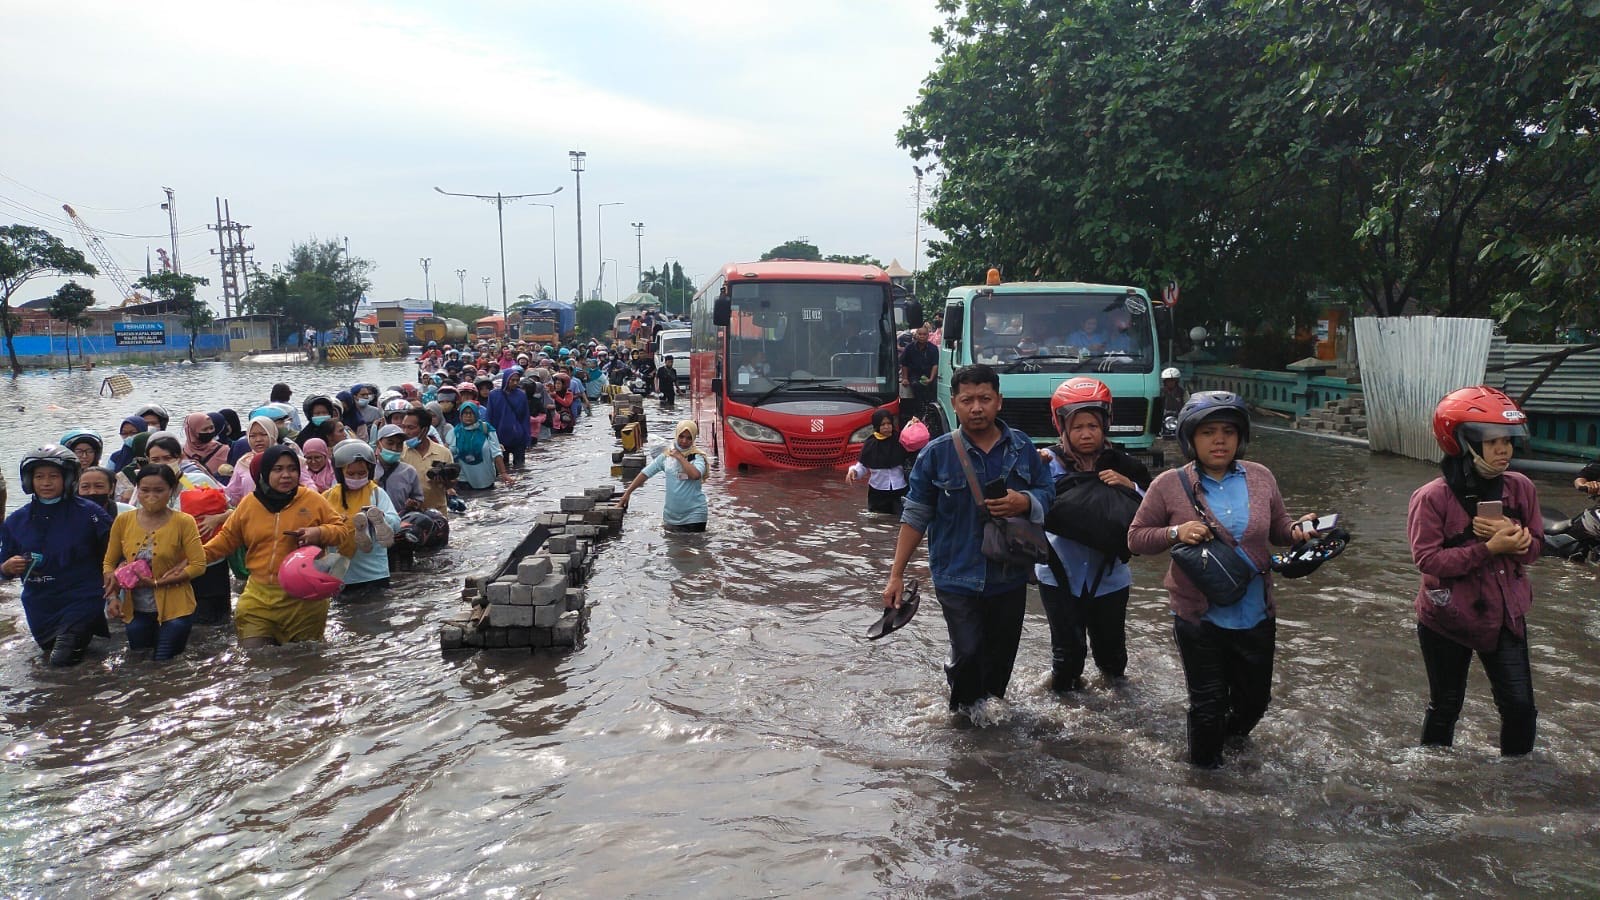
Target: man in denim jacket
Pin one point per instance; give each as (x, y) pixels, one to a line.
(982, 601)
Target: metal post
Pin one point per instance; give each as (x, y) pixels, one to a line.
(426, 262)
(576, 158)
(462, 274)
(638, 239)
(171, 206)
(499, 200)
(486, 280)
(916, 252)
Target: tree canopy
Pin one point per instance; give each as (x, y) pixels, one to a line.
(800, 248)
(319, 286)
(179, 290)
(27, 253)
(1407, 157)
(595, 318)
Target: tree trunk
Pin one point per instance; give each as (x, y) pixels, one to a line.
(193, 333)
(11, 348)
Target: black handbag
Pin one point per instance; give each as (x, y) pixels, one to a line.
(1215, 566)
(1011, 540)
(1093, 513)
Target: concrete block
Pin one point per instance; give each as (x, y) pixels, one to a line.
(558, 562)
(601, 493)
(475, 637)
(508, 616)
(548, 616)
(585, 531)
(561, 543)
(542, 637)
(519, 637)
(522, 595)
(594, 517)
(495, 638)
(576, 504)
(477, 583)
(551, 592)
(498, 592)
(565, 634)
(533, 569)
(574, 519)
(451, 637)
(576, 599)
(616, 457)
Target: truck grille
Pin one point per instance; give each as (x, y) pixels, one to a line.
(1032, 416)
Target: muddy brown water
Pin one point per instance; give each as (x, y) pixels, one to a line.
(726, 730)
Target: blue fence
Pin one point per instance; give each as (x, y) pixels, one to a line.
(41, 345)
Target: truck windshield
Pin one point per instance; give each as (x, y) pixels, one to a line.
(811, 333)
(1063, 332)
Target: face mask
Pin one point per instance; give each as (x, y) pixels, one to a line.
(320, 420)
(204, 438)
(414, 443)
(128, 441)
(50, 502)
(356, 482)
(389, 456)
(361, 401)
(101, 500)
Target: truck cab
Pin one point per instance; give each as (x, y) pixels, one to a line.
(1038, 334)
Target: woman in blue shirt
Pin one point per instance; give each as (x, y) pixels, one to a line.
(685, 466)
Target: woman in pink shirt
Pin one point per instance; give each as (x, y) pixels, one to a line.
(1474, 531)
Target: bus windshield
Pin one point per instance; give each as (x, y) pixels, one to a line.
(802, 333)
(1063, 332)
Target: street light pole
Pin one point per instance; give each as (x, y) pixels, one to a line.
(426, 262)
(638, 247)
(600, 247)
(499, 200)
(916, 252)
(462, 274)
(555, 261)
(486, 280)
(576, 159)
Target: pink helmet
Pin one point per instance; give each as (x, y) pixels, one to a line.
(300, 578)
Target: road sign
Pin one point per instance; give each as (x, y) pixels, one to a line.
(140, 334)
(1169, 294)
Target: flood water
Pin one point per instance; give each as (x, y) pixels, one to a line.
(726, 730)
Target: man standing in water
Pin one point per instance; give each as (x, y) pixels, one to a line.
(982, 600)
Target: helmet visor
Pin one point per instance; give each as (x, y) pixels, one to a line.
(1478, 432)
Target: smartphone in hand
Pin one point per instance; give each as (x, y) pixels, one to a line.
(995, 490)
(1491, 509)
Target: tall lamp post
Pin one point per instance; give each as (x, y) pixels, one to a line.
(486, 280)
(916, 252)
(600, 232)
(576, 158)
(426, 262)
(462, 274)
(499, 200)
(638, 247)
(555, 261)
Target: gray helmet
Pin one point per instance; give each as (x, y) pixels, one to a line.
(51, 455)
(348, 451)
(159, 411)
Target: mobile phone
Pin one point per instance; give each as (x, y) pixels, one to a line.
(1490, 509)
(995, 490)
(1325, 522)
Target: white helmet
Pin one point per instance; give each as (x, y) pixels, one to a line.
(1170, 372)
(349, 450)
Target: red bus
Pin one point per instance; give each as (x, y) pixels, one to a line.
(789, 361)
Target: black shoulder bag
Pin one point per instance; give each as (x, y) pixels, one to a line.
(1012, 540)
(1215, 566)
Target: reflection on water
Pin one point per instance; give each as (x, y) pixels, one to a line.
(727, 729)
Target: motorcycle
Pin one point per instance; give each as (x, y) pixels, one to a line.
(1576, 539)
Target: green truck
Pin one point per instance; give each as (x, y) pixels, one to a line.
(1039, 334)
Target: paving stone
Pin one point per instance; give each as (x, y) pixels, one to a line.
(561, 543)
(495, 638)
(533, 569)
(576, 599)
(565, 634)
(522, 595)
(519, 637)
(552, 591)
(508, 616)
(600, 493)
(542, 637)
(498, 592)
(576, 504)
(475, 637)
(548, 616)
(451, 637)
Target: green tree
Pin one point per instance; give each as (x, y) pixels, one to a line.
(69, 306)
(179, 290)
(469, 313)
(595, 317)
(861, 259)
(27, 253)
(799, 248)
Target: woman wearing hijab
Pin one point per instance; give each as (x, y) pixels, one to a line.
(130, 427)
(354, 424)
(200, 443)
(212, 589)
(97, 484)
(476, 449)
(278, 516)
(373, 518)
(128, 472)
(685, 466)
(263, 435)
(883, 464)
(318, 464)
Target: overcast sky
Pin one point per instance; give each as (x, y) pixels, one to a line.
(725, 127)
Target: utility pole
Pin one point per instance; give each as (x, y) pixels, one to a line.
(600, 232)
(916, 253)
(231, 250)
(462, 274)
(638, 240)
(486, 280)
(499, 201)
(426, 297)
(171, 207)
(576, 158)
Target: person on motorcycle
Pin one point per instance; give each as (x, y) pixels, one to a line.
(1473, 532)
(1172, 394)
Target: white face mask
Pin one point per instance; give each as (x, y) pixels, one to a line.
(356, 482)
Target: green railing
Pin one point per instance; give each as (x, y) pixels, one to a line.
(1293, 393)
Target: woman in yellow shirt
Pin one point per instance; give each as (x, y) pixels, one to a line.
(157, 608)
(270, 522)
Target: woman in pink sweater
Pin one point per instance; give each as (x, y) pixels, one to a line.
(1227, 651)
(1475, 593)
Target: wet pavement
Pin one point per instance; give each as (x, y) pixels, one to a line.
(727, 730)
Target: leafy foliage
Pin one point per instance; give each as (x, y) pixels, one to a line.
(179, 290)
(320, 286)
(27, 253)
(69, 305)
(595, 317)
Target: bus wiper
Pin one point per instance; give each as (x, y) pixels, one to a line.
(830, 384)
(777, 385)
(1023, 360)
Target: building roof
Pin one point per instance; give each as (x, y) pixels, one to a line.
(896, 270)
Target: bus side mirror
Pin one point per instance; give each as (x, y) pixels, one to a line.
(1163, 322)
(952, 322)
(716, 387)
(914, 314)
(722, 312)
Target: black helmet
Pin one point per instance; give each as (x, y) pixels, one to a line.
(1204, 406)
(1302, 560)
(51, 455)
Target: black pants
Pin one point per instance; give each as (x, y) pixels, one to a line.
(917, 404)
(213, 595)
(67, 647)
(885, 501)
(1510, 680)
(1229, 674)
(1080, 623)
(984, 632)
(515, 457)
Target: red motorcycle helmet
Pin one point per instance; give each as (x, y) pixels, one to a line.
(1476, 414)
(1077, 394)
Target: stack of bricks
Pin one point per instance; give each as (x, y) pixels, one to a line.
(539, 599)
(628, 421)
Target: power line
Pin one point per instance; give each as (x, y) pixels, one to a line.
(106, 209)
(63, 223)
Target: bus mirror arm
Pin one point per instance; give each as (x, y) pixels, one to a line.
(716, 387)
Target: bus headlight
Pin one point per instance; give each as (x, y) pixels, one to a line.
(860, 435)
(754, 432)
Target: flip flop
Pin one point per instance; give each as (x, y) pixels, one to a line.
(895, 617)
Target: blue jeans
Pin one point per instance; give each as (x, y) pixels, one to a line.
(984, 633)
(168, 638)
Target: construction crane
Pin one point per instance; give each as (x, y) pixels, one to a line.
(108, 266)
